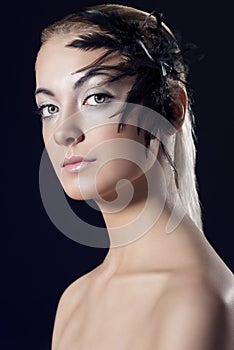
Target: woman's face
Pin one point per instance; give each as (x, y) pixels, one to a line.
(88, 154)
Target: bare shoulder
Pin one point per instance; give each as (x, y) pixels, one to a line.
(195, 316)
(74, 293)
(68, 302)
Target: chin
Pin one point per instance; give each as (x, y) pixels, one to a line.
(75, 192)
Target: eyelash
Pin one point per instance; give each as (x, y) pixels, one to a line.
(40, 109)
(99, 95)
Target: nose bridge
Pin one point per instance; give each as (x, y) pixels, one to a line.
(68, 129)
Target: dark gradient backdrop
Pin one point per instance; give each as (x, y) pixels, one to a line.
(38, 261)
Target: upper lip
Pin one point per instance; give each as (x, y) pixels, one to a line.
(75, 159)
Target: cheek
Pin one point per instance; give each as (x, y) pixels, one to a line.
(116, 170)
(49, 141)
(46, 135)
(121, 156)
(117, 151)
(55, 152)
(110, 132)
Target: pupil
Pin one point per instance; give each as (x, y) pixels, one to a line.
(99, 98)
(52, 109)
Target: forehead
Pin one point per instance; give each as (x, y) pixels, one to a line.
(55, 58)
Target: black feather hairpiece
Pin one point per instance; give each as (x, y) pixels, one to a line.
(119, 35)
(128, 37)
(151, 53)
(115, 25)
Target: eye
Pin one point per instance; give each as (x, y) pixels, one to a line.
(48, 110)
(97, 99)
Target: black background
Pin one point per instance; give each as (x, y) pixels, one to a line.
(39, 262)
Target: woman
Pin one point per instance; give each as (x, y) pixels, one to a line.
(118, 127)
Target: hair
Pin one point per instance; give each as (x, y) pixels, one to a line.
(151, 52)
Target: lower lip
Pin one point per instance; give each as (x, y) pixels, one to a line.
(77, 167)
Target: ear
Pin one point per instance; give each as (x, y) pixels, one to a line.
(177, 107)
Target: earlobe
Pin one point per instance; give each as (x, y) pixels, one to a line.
(178, 105)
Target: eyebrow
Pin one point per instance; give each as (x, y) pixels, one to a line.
(87, 76)
(44, 91)
(78, 83)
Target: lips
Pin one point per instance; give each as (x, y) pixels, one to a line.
(72, 160)
(75, 164)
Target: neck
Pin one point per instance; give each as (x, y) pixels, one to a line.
(138, 229)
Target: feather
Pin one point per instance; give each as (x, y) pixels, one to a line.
(114, 24)
(153, 61)
(95, 41)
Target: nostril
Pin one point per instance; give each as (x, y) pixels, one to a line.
(70, 140)
(80, 138)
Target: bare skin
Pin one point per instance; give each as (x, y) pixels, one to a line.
(132, 309)
(158, 292)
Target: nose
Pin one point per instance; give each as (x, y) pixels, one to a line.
(68, 133)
